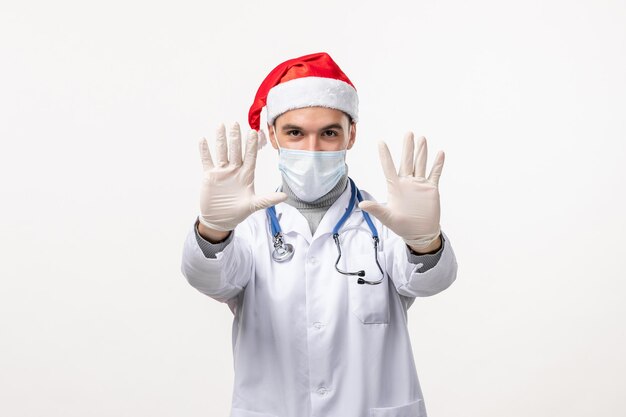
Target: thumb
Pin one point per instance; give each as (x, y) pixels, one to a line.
(267, 200)
(379, 211)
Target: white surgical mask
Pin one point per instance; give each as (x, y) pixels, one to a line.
(311, 174)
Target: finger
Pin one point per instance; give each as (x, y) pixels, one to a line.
(406, 162)
(221, 147)
(234, 145)
(249, 160)
(435, 172)
(420, 158)
(377, 210)
(386, 161)
(205, 155)
(268, 200)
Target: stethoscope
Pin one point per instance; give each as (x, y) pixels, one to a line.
(283, 252)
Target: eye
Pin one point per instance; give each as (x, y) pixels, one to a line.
(330, 133)
(293, 132)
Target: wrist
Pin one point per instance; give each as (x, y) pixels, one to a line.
(427, 249)
(211, 235)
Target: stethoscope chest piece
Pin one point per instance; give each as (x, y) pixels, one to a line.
(282, 252)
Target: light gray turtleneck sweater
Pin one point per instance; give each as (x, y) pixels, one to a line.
(313, 212)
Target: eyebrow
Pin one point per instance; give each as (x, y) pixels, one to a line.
(296, 127)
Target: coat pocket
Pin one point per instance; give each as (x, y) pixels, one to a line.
(240, 412)
(370, 303)
(414, 409)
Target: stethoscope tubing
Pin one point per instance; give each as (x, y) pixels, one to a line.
(284, 251)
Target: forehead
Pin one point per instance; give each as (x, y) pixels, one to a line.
(312, 116)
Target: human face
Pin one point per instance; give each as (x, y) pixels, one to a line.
(313, 129)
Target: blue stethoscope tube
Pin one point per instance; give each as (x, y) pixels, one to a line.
(283, 252)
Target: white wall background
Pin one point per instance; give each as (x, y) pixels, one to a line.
(101, 107)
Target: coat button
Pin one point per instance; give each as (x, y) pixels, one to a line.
(318, 325)
(322, 390)
(312, 260)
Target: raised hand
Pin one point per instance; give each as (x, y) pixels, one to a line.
(227, 194)
(413, 208)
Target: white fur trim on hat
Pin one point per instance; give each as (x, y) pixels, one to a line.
(311, 92)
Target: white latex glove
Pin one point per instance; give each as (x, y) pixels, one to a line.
(227, 194)
(412, 210)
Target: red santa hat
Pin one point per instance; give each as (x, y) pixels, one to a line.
(307, 81)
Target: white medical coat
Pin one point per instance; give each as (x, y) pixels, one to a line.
(308, 341)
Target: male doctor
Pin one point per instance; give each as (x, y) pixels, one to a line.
(319, 290)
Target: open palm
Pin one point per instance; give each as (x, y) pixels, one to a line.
(227, 194)
(413, 205)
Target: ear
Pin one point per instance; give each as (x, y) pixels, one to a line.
(352, 135)
(272, 134)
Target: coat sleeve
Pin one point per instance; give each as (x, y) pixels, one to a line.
(224, 276)
(406, 276)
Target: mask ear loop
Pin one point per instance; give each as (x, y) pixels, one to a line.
(276, 139)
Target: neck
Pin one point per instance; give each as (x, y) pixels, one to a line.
(324, 201)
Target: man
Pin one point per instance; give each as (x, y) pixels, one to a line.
(319, 290)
